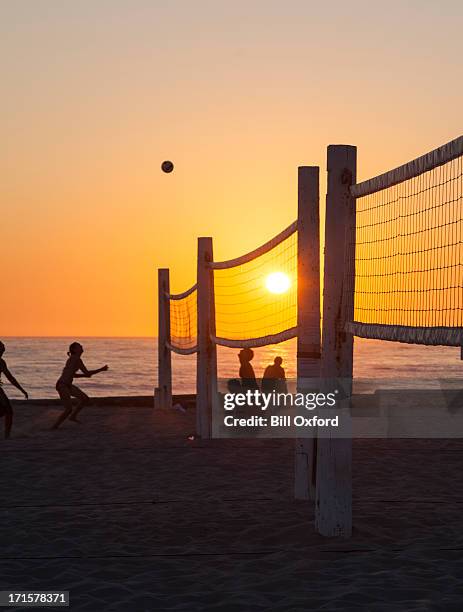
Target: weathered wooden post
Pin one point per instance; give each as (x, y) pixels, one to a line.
(206, 375)
(308, 316)
(164, 397)
(333, 513)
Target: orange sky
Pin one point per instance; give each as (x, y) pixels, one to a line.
(236, 94)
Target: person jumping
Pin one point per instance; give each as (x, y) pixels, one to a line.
(67, 390)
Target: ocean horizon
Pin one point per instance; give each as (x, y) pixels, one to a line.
(37, 363)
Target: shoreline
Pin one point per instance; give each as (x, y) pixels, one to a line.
(120, 401)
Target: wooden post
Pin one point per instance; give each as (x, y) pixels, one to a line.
(308, 315)
(333, 515)
(206, 375)
(164, 399)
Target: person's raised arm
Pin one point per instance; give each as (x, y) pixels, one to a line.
(98, 370)
(88, 373)
(9, 376)
(85, 373)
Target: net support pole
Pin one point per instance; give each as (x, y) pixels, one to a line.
(164, 398)
(206, 379)
(333, 509)
(308, 316)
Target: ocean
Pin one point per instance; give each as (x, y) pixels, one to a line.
(37, 364)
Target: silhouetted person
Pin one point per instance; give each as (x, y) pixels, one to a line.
(67, 389)
(247, 376)
(5, 407)
(274, 378)
(234, 385)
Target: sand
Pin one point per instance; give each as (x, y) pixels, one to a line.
(127, 514)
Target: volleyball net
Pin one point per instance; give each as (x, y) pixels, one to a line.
(408, 261)
(183, 322)
(255, 295)
(254, 299)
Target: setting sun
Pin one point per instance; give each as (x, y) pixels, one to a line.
(277, 282)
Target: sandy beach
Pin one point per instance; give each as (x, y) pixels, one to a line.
(127, 514)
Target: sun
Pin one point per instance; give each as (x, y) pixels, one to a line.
(277, 282)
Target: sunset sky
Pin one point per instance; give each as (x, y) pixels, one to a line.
(97, 93)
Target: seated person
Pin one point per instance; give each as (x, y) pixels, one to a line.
(274, 378)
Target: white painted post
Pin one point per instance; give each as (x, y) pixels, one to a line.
(164, 398)
(333, 514)
(206, 375)
(308, 315)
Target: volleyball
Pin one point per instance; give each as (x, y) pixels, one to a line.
(167, 166)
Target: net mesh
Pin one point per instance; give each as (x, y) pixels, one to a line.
(408, 251)
(258, 298)
(183, 322)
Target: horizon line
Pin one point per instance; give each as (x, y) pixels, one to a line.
(78, 336)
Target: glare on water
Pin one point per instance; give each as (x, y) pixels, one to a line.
(37, 362)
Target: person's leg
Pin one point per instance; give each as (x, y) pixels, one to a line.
(82, 400)
(7, 411)
(65, 395)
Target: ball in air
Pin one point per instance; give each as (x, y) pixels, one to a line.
(167, 166)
